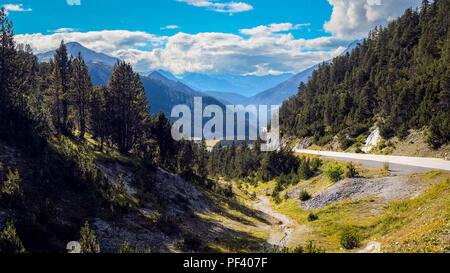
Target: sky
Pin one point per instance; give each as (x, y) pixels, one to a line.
(245, 37)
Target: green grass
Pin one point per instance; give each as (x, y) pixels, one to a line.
(418, 225)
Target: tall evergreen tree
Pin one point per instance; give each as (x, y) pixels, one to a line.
(127, 107)
(10, 241)
(201, 160)
(80, 92)
(98, 114)
(88, 240)
(61, 85)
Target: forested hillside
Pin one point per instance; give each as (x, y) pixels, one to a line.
(399, 78)
(58, 134)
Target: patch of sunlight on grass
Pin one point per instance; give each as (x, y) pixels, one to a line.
(421, 224)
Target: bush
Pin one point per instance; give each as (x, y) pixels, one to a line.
(11, 186)
(190, 243)
(125, 248)
(351, 171)
(311, 247)
(312, 217)
(10, 241)
(304, 196)
(345, 142)
(349, 239)
(277, 199)
(88, 240)
(386, 166)
(334, 172)
(228, 191)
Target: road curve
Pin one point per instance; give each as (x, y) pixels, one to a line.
(422, 162)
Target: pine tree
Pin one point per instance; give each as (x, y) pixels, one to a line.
(10, 241)
(201, 160)
(160, 131)
(80, 92)
(11, 187)
(88, 240)
(61, 85)
(98, 114)
(125, 248)
(7, 53)
(127, 106)
(185, 157)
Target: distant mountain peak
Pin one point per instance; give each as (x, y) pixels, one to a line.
(74, 48)
(283, 91)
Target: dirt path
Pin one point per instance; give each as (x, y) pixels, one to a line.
(287, 225)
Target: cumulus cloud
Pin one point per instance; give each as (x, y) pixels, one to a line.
(272, 28)
(74, 2)
(352, 19)
(62, 30)
(14, 7)
(229, 7)
(107, 41)
(170, 27)
(263, 50)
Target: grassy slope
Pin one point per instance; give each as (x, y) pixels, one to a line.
(416, 225)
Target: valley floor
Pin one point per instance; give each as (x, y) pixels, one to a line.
(388, 212)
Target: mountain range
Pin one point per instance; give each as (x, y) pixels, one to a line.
(163, 93)
(281, 92)
(246, 85)
(168, 90)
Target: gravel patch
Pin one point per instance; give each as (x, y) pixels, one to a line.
(387, 188)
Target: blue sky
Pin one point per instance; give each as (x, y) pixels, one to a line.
(209, 36)
(151, 16)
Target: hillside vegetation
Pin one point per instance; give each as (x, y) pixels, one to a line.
(398, 78)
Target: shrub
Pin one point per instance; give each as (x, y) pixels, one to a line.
(10, 241)
(190, 243)
(11, 186)
(308, 167)
(299, 250)
(349, 239)
(351, 171)
(88, 240)
(334, 172)
(311, 247)
(312, 217)
(228, 191)
(125, 247)
(345, 142)
(304, 196)
(277, 199)
(386, 166)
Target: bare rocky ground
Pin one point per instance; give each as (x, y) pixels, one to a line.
(415, 145)
(178, 199)
(387, 188)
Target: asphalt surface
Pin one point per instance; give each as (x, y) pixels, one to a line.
(397, 164)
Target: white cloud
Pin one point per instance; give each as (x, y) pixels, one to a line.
(107, 41)
(74, 2)
(14, 7)
(229, 7)
(352, 19)
(63, 30)
(266, 50)
(170, 27)
(272, 28)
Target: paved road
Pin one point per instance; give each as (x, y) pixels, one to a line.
(397, 164)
